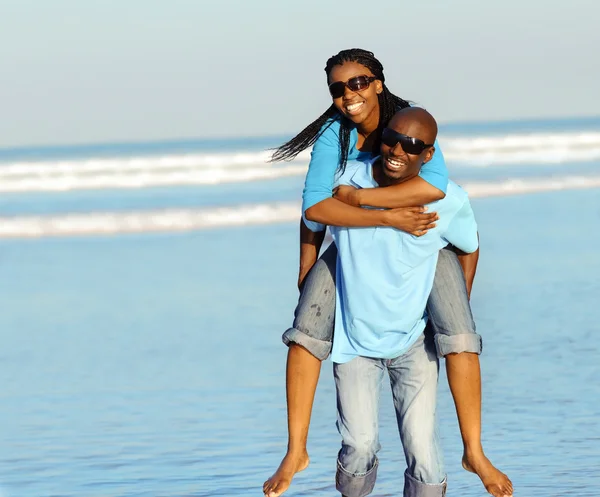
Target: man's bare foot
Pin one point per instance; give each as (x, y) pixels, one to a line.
(280, 481)
(494, 480)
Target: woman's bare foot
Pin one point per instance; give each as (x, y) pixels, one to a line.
(494, 480)
(280, 481)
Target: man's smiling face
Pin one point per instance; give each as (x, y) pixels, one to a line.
(397, 164)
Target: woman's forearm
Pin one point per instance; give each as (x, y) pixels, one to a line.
(335, 213)
(415, 191)
(332, 212)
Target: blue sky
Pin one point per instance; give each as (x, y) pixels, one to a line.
(77, 71)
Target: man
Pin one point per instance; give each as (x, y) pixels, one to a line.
(379, 272)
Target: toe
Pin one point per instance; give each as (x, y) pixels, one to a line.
(496, 490)
(271, 488)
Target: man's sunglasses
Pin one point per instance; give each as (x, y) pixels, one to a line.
(409, 144)
(359, 83)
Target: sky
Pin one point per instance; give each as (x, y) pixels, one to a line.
(93, 71)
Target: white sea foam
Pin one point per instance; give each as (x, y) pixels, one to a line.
(168, 220)
(145, 179)
(179, 220)
(138, 164)
(534, 148)
(212, 169)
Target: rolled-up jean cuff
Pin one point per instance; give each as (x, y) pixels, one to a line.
(319, 348)
(455, 344)
(355, 485)
(416, 488)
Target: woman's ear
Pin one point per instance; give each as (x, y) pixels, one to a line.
(378, 86)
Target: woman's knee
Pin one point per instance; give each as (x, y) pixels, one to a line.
(315, 313)
(448, 307)
(449, 310)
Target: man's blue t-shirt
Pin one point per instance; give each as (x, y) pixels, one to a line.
(384, 275)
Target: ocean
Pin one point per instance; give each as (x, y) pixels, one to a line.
(144, 289)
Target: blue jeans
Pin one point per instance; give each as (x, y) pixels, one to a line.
(413, 377)
(448, 309)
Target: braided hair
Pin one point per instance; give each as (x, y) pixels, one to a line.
(389, 104)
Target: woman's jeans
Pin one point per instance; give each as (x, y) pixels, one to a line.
(448, 308)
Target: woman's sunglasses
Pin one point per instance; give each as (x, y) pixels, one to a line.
(359, 83)
(410, 145)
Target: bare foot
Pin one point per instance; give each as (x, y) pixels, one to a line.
(494, 480)
(280, 481)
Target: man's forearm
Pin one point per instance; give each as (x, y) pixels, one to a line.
(332, 212)
(310, 245)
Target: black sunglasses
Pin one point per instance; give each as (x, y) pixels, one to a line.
(359, 83)
(409, 144)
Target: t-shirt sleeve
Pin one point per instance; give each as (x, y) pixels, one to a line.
(435, 171)
(324, 161)
(320, 176)
(462, 230)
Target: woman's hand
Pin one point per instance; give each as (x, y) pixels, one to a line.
(412, 220)
(347, 194)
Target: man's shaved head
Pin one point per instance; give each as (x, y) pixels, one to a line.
(415, 122)
(406, 145)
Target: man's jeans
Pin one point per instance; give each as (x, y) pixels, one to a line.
(448, 308)
(413, 377)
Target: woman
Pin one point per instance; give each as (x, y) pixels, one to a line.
(351, 130)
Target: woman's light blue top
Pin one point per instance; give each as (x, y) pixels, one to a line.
(325, 161)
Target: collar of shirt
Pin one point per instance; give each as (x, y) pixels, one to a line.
(362, 176)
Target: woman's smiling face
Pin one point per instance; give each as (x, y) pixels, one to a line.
(356, 106)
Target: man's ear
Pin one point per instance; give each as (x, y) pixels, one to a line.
(428, 155)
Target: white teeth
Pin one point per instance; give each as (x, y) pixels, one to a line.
(353, 107)
(395, 164)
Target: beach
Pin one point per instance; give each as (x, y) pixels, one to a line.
(150, 363)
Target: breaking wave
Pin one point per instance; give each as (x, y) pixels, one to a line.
(214, 168)
(180, 220)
